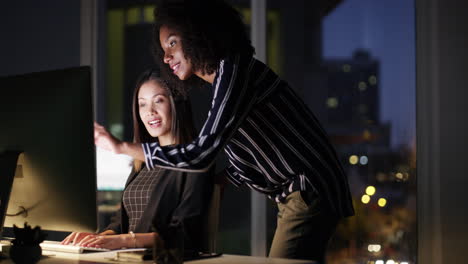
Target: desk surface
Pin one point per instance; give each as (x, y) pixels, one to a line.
(109, 257)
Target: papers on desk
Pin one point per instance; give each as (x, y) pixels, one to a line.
(140, 255)
(5, 247)
(134, 254)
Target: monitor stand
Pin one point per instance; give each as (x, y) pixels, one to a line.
(8, 163)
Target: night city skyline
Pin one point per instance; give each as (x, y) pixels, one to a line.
(386, 30)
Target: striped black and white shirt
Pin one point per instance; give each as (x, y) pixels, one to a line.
(274, 143)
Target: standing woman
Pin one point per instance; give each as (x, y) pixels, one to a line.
(274, 143)
(159, 203)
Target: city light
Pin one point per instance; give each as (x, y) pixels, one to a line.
(366, 134)
(363, 160)
(373, 80)
(382, 202)
(353, 159)
(365, 199)
(405, 176)
(332, 102)
(404, 262)
(346, 68)
(374, 248)
(401, 176)
(362, 86)
(370, 190)
(362, 108)
(381, 176)
(379, 262)
(390, 261)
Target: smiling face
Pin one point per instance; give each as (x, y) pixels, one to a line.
(173, 54)
(154, 108)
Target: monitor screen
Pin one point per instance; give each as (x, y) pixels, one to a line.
(49, 117)
(112, 170)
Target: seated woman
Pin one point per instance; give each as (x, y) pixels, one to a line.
(161, 204)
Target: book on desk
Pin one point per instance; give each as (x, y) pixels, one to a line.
(147, 254)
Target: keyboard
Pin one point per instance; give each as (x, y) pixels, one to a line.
(5, 246)
(57, 247)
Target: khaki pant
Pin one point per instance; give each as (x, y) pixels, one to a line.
(303, 229)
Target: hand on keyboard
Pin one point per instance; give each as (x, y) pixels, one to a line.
(82, 239)
(58, 247)
(107, 239)
(76, 237)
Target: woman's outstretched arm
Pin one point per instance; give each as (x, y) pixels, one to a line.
(105, 140)
(233, 97)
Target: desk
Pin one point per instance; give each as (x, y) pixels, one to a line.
(107, 257)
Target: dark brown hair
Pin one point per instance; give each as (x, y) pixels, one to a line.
(210, 31)
(182, 127)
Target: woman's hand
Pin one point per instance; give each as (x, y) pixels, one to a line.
(76, 237)
(109, 242)
(104, 139)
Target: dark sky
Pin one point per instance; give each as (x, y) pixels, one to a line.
(387, 29)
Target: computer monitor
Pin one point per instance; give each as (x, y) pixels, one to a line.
(49, 117)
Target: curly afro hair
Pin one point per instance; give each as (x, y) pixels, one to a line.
(210, 30)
